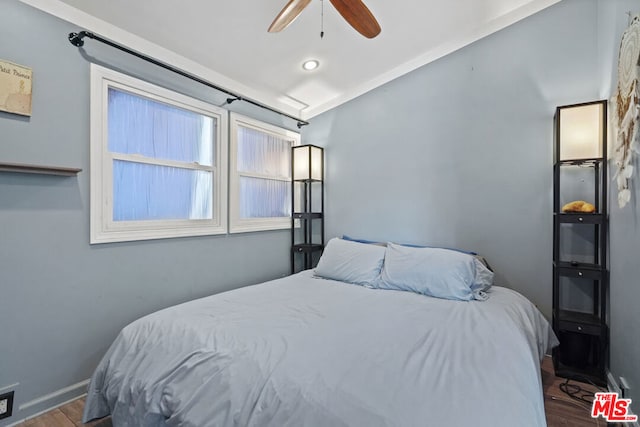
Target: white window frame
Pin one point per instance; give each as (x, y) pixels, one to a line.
(102, 227)
(243, 225)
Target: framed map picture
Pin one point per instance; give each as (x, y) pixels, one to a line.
(15, 88)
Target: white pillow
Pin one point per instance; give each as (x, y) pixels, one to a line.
(435, 272)
(351, 262)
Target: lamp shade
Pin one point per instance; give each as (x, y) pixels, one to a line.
(307, 162)
(581, 131)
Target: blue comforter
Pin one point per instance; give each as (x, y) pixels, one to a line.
(302, 351)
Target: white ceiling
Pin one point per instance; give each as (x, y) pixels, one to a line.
(227, 42)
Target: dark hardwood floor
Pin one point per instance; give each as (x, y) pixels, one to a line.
(561, 410)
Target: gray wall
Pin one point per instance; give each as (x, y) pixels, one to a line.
(624, 223)
(63, 301)
(459, 153)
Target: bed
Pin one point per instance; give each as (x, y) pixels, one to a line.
(309, 351)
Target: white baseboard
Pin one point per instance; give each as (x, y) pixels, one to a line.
(82, 385)
(44, 411)
(613, 387)
(9, 387)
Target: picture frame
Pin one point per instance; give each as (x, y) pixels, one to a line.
(16, 83)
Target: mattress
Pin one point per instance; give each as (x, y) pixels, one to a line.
(305, 351)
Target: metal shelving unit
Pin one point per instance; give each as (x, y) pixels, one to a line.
(307, 206)
(583, 333)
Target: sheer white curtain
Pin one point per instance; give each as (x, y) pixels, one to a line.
(157, 149)
(264, 166)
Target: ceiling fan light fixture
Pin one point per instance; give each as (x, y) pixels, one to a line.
(353, 11)
(310, 65)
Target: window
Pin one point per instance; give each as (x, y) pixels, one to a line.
(158, 162)
(260, 178)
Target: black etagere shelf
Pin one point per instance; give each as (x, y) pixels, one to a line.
(583, 333)
(307, 206)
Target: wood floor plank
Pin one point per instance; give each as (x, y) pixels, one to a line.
(73, 411)
(561, 409)
(53, 418)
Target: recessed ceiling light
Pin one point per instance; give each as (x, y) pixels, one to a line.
(311, 64)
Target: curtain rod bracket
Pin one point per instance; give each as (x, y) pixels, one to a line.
(234, 99)
(301, 123)
(76, 39)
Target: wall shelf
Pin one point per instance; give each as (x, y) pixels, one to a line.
(38, 169)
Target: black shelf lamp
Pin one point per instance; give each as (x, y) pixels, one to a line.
(307, 204)
(580, 274)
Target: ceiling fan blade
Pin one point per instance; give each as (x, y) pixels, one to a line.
(287, 15)
(358, 16)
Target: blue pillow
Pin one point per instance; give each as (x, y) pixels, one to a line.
(345, 237)
(435, 272)
(351, 262)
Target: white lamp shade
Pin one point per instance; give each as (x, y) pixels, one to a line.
(307, 162)
(581, 132)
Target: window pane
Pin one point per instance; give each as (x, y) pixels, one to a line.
(152, 192)
(140, 125)
(263, 153)
(264, 198)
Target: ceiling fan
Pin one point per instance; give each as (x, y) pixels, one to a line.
(353, 11)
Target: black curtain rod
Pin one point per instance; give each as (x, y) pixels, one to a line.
(76, 39)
